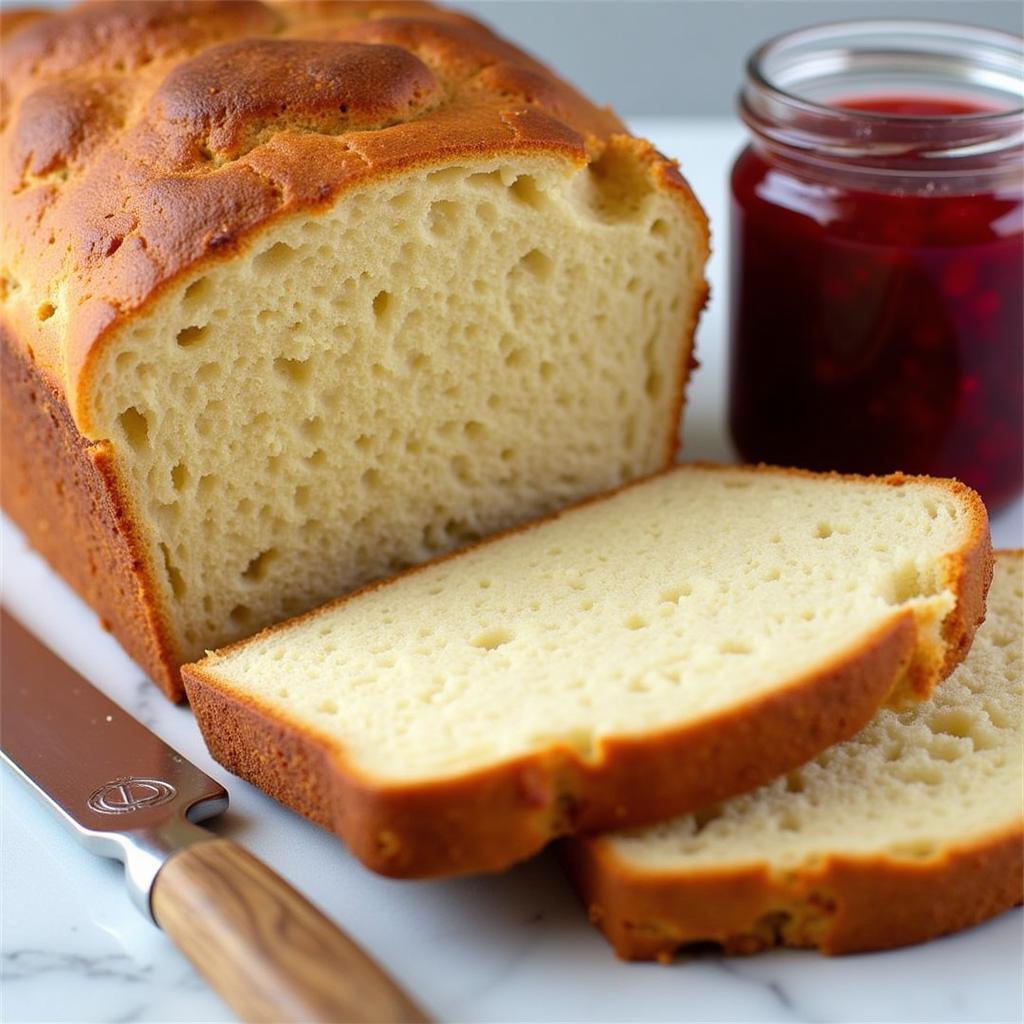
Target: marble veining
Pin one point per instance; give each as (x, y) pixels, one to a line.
(33, 963)
(512, 947)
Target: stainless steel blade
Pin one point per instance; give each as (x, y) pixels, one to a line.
(124, 792)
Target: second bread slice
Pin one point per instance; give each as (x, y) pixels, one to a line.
(911, 829)
(683, 640)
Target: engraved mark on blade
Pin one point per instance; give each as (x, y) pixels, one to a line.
(124, 795)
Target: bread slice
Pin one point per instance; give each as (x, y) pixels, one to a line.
(293, 296)
(913, 828)
(680, 641)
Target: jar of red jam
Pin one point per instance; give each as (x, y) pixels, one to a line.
(877, 254)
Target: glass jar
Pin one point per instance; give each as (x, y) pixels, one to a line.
(877, 254)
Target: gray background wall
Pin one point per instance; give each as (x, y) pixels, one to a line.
(676, 57)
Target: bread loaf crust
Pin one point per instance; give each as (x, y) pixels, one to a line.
(487, 820)
(62, 492)
(147, 139)
(844, 905)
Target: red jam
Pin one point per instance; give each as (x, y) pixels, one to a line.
(875, 328)
(915, 106)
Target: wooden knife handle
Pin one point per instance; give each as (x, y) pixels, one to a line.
(269, 953)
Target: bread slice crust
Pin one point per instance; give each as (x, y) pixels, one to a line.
(489, 819)
(843, 905)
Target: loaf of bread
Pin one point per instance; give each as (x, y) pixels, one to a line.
(912, 829)
(297, 294)
(649, 652)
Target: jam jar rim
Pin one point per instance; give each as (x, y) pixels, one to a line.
(880, 141)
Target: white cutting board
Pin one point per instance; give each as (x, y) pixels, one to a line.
(515, 947)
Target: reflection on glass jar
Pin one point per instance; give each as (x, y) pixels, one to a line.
(878, 254)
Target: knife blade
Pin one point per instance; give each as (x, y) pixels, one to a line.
(128, 795)
(124, 792)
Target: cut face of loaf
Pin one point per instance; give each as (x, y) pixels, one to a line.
(434, 359)
(913, 828)
(680, 641)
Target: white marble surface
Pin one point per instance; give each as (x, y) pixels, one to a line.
(515, 947)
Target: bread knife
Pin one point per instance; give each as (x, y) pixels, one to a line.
(127, 795)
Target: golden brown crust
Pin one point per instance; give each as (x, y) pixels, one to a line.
(146, 137)
(143, 138)
(11, 20)
(61, 491)
(489, 819)
(973, 567)
(845, 904)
